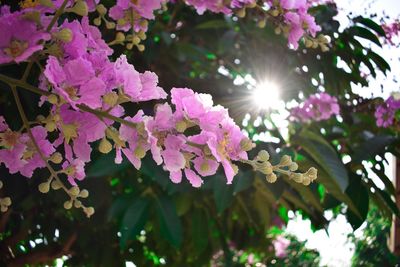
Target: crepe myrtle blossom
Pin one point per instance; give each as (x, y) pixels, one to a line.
(385, 113)
(18, 152)
(280, 245)
(317, 107)
(23, 40)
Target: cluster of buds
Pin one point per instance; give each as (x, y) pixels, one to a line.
(75, 194)
(321, 41)
(4, 202)
(102, 11)
(130, 40)
(285, 166)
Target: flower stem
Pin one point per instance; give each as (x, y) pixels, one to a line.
(28, 129)
(57, 15)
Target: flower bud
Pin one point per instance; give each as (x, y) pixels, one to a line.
(241, 13)
(142, 35)
(246, 144)
(6, 201)
(263, 155)
(266, 168)
(55, 185)
(110, 25)
(74, 191)
(119, 37)
(141, 47)
(140, 152)
(56, 158)
(278, 30)
(181, 126)
(297, 177)
(306, 180)
(50, 126)
(44, 187)
(89, 211)
(64, 35)
(80, 8)
(261, 23)
(285, 160)
(3, 208)
(84, 193)
(101, 9)
(46, 3)
(1, 184)
(275, 13)
(77, 204)
(110, 99)
(324, 48)
(121, 22)
(135, 40)
(53, 99)
(68, 204)
(293, 166)
(105, 146)
(271, 178)
(309, 43)
(144, 23)
(97, 21)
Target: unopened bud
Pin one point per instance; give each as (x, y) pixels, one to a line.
(297, 177)
(101, 9)
(64, 35)
(143, 24)
(285, 160)
(142, 35)
(271, 178)
(46, 3)
(74, 191)
(44, 187)
(241, 13)
(140, 152)
(50, 126)
(324, 48)
(135, 40)
(181, 126)
(293, 166)
(1, 184)
(84, 193)
(97, 21)
(3, 208)
(141, 47)
(6, 201)
(110, 99)
(309, 43)
(53, 99)
(278, 30)
(89, 211)
(275, 13)
(55, 185)
(68, 204)
(80, 8)
(263, 155)
(121, 22)
(246, 144)
(56, 158)
(110, 25)
(119, 37)
(105, 146)
(77, 204)
(306, 180)
(261, 23)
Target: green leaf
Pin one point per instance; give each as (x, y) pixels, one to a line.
(102, 167)
(370, 24)
(134, 220)
(372, 147)
(199, 230)
(223, 193)
(359, 195)
(364, 33)
(170, 224)
(379, 61)
(324, 155)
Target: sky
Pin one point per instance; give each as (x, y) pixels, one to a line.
(334, 249)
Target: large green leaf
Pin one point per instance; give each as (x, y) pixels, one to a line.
(170, 224)
(372, 147)
(364, 33)
(324, 155)
(370, 24)
(199, 230)
(223, 193)
(359, 196)
(134, 220)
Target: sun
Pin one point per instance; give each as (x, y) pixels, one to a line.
(266, 95)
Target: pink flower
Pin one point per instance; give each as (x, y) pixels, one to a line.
(317, 107)
(23, 40)
(280, 245)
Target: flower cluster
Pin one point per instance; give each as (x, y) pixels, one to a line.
(87, 91)
(385, 113)
(317, 107)
(280, 245)
(392, 31)
(294, 21)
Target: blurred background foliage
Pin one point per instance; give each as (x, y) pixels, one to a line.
(142, 217)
